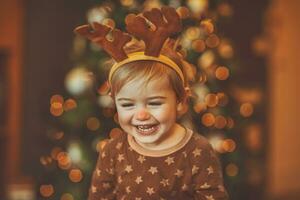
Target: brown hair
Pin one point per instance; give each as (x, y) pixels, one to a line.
(149, 70)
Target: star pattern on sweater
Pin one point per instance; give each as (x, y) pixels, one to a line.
(194, 169)
(179, 173)
(165, 182)
(184, 187)
(210, 170)
(169, 160)
(106, 185)
(120, 157)
(94, 189)
(119, 145)
(197, 152)
(120, 179)
(98, 172)
(210, 197)
(138, 180)
(128, 189)
(153, 170)
(128, 168)
(103, 154)
(150, 190)
(205, 186)
(184, 154)
(141, 159)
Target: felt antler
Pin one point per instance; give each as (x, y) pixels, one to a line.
(154, 40)
(98, 35)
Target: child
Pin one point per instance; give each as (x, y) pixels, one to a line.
(155, 157)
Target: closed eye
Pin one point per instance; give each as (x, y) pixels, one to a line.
(127, 105)
(155, 103)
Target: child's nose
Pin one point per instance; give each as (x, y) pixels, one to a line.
(142, 114)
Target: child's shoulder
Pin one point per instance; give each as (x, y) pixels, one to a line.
(200, 142)
(115, 141)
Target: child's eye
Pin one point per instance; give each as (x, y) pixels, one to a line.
(127, 105)
(155, 103)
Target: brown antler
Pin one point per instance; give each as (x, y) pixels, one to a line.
(98, 33)
(154, 40)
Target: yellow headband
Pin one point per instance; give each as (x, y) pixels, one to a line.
(140, 56)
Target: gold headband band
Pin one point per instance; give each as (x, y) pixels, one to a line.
(140, 56)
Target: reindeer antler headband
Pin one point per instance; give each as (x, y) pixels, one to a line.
(166, 21)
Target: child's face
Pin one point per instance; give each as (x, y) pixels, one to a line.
(147, 111)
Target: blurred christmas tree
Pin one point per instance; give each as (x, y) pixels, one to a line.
(219, 109)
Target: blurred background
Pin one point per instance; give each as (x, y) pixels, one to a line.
(54, 108)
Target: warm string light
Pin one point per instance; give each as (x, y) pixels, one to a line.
(58, 105)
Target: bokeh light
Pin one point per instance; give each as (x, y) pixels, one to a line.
(207, 26)
(232, 169)
(183, 12)
(208, 119)
(75, 175)
(70, 104)
(222, 73)
(212, 41)
(197, 6)
(211, 100)
(46, 190)
(198, 45)
(246, 109)
(67, 196)
(220, 122)
(229, 145)
(64, 160)
(93, 123)
(200, 107)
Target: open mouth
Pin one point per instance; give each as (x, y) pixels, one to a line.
(147, 129)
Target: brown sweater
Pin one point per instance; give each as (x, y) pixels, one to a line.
(125, 171)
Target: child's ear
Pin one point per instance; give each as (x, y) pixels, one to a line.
(182, 106)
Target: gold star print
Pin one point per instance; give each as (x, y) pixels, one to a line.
(210, 197)
(120, 179)
(205, 186)
(103, 154)
(138, 180)
(210, 170)
(128, 168)
(98, 172)
(195, 169)
(184, 187)
(221, 188)
(184, 154)
(106, 185)
(197, 152)
(94, 189)
(150, 190)
(141, 159)
(120, 157)
(128, 189)
(165, 182)
(130, 149)
(169, 160)
(153, 170)
(110, 171)
(179, 173)
(119, 145)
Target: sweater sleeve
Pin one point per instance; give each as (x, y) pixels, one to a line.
(208, 178)
(103, 181)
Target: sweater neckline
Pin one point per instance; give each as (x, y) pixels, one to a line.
(159, 153)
